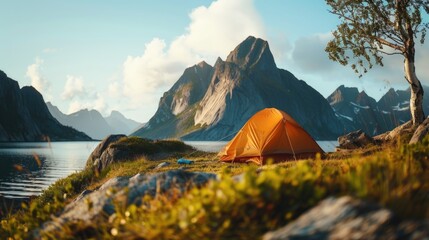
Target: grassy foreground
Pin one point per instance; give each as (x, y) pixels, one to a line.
(396, 177)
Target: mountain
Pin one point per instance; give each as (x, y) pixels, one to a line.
(121, 124)
(24, 116)
(177, 107)
(215, 102)
(356, 110)
(93, 123)
(90, 122)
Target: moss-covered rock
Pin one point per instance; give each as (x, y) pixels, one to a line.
(118, 148)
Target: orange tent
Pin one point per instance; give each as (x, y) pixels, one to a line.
(269, 134)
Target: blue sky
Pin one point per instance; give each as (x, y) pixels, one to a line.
(117, 55)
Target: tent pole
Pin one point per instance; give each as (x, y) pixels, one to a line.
(290, 143)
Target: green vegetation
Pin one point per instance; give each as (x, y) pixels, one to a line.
(149, 147)
(396, 177)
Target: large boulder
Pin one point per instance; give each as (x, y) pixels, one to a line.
(124, 190)
(348, 218)
(95, 156)
(118, 148)
(421, 132)
(353, 140)
(400, 131)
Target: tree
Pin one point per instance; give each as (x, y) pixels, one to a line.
(370, 29)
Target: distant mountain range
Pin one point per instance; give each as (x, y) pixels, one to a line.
(213, 103)
(357, 110)
(24, 116)
(94, 124)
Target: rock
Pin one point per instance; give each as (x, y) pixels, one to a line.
(161, 165)
(111, 155)
(82, 195)
(124, 190)
(348, 218)
(421, 132)
(356, 139)
(406, 128)
(101, 147)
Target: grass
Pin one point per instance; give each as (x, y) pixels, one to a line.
(136, 145)
(396, 177)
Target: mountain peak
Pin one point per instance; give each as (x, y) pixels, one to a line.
(115, 113)
(2, 74)
(202, 64)
(343, 93)
(252, 52)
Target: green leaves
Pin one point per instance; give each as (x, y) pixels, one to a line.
(372, 28)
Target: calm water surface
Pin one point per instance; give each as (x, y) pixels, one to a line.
(28, 168)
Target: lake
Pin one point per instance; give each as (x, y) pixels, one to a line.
(26, 169)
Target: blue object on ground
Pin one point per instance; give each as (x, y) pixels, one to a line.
(184, 161)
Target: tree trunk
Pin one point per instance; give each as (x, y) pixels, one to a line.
(416, 100)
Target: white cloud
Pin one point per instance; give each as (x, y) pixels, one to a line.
(74, 87)
(37, 80)
(96, 101)
(49, 50)
(114, 90)
(309, 53)
(80, 96)
(212, 32)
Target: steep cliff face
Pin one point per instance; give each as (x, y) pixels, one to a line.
(176, 110)
(15, 120)
(48, 125)
(246, 82)
(25, 117)
(249, 81)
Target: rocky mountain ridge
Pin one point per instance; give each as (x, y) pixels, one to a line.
(93, 123)
(24, 116)
(229, 93)
(356, 110)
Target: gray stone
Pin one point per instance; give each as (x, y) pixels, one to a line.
(353, 140)
(112, 155)
(348, 218)
(94, 158)
(161, 165)
(395, 133)
(82, 195)
(99, 204)
(116, 182)
(421, 132)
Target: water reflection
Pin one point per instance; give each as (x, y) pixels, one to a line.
(28, 168)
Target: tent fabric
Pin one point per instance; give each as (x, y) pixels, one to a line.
(270, 134)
